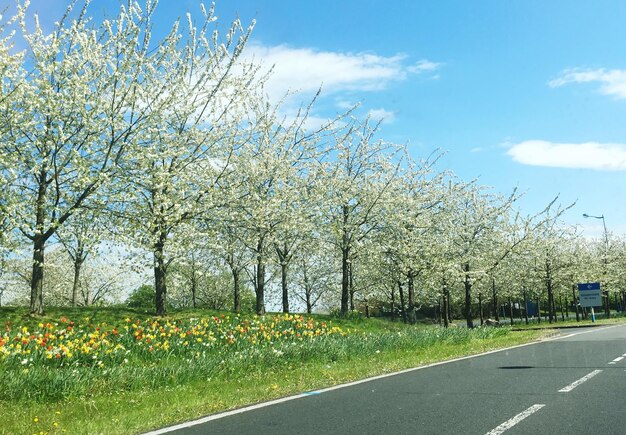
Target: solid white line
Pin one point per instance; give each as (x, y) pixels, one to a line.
(513, 421)
(585, 378)
(336, 387)
(222, 415)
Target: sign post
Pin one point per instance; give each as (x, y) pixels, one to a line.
(590, 295)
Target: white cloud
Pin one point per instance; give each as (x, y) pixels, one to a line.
(345, 104)
(306, 69)
(424, 65)
(612, 82)
(588, 155)
(382, 115)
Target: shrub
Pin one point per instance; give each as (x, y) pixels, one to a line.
(142, 298)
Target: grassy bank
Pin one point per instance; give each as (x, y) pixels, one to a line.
(572, 323)
(117, 371)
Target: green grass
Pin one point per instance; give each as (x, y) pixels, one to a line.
(148, 393)
(571, 323)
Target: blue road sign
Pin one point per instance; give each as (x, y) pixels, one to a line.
(589, 286)
(589, 294)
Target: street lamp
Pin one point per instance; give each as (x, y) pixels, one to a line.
(606, 234)
(606, 254)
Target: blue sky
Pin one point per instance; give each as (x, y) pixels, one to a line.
(519, 93)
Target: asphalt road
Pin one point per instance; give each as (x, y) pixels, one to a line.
(573, 385)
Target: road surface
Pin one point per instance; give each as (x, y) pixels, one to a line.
(575, 384)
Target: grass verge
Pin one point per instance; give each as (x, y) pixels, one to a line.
(99, 402)
(571, 323)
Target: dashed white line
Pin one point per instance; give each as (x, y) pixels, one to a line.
(513, 421)
(616, 360)
(585, 378)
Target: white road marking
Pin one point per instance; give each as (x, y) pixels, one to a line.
(585, 378)
(513, 421)
(616, 360)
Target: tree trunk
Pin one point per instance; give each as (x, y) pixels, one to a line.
(283, 282)
(160, 284)
(194, 286)
(549, 288)
(309, 307)
(39, 243)
(230, 259)
(393, 303)
(438, 313)
(511, 310)
(345, 285)
(494, 292)
(284, 256)
(78, 264)
(260, 279)
(236, 291)
(345, 258)
(446, 309)
(411, 307)
(36, 282)
(351, 284)
(309, 304)
(575, 302)
(307, 289)
(480, 308)
(525, 305)
(538, 310)
(402, 306)
(468, 297)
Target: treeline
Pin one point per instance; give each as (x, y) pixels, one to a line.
(113, 140)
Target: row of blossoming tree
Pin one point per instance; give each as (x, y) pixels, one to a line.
(112, 140)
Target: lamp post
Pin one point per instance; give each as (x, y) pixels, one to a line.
(606, 254)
